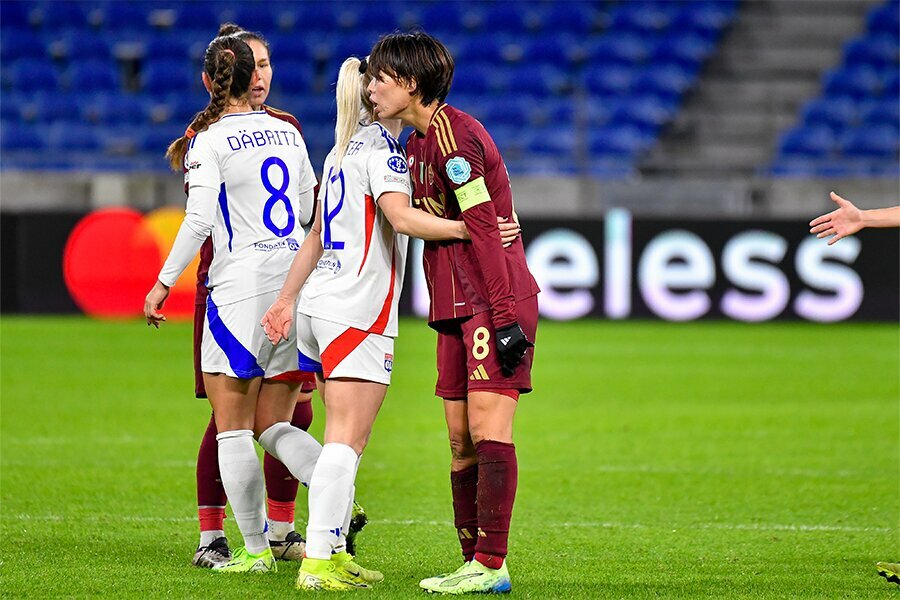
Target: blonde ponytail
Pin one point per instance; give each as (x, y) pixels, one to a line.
(350, 110)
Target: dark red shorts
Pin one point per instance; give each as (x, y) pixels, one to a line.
(306, 380)
(467, 355)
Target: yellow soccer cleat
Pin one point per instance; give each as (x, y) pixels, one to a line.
(890, 571)
(471, 578)
(244, 562)
(321, 574)
(348, 566)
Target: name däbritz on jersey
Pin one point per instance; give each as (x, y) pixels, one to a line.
(266, 137)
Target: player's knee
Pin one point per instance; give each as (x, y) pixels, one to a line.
(461, 448)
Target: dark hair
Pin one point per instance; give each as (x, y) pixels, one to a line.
(229, 65)
(242, 34)
(414, 57)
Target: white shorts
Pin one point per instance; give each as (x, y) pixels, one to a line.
(336, 350)
(234, 342)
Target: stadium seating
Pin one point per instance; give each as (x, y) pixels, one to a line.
(550, 80)
(853, 127)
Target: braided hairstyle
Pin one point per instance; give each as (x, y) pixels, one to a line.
(229, 65)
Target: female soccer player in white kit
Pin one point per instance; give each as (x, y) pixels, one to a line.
(249, 185)
(354, 259)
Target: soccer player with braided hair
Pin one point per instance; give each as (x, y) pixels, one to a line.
(250, 186)
(281, 486)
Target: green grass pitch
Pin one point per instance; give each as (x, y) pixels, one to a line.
(714, 460)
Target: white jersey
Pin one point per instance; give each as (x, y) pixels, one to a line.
(259, 167)
(357, 281)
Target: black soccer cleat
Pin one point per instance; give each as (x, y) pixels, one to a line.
(217, 553)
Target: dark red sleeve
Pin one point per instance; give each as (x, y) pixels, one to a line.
(463, 164)
(481, 221)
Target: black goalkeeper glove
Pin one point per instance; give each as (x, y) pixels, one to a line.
(511, 347)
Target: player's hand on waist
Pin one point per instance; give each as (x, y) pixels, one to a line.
(511, 347)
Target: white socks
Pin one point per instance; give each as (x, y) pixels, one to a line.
(295, 448)
(242, 479)
(330, 499)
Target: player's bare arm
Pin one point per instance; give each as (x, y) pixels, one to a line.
(848, 219)
(279, 319)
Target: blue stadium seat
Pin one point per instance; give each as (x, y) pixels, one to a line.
(556, 50)
(642, 17)
(551, 141)
(94, 76)
(15, 14)
(374, 17)
(198, 16)
(688, 49)
(664, 80)
(859, 83)
(155, 140)
(118, 109)
(161, 77)
(879, 51)
(20, 43)
(476, 50)
(884, 18)
(892, 86)
(883, 112)
(31, 75)
(61, 15)
(508, 110)
(475, 79)
(552, 111)
(82, 44)
(252, 18)
(628, 49)
(609, 79)
(73, 137)
(510, 17)
(793, 167)
(813, 142)
(288, 47)
(538, 81)
(52, 107)
(168, 47)
(877, 141)
(11, 107)
(449, 18)
(126, 16)
(612, 167)
(706, 18)
(622, 142)
(294, 77)
(647, 112)
(16, 137)
(836, 113)
(571, 17)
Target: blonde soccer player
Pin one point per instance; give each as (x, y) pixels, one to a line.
(353, 265)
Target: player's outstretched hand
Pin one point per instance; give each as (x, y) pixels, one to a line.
(278, 320)
(840, 223)
(511, 347)
(153, 303)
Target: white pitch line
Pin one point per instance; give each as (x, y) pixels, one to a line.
(429, 523)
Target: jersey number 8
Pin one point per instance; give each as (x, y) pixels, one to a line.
(276, 196)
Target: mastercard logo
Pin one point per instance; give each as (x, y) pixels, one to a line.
(112, 259)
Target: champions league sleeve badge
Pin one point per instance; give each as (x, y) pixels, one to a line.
(397, 164)
(458, 170)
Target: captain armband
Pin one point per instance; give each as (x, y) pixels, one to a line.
(472, 194)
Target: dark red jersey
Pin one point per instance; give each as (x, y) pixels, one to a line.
(458, 173)
(206, 250)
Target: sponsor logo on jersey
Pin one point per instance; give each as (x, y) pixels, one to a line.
(397, 164)
(388, 362)
(329, 264)
(272, 246)
(458, 170)
(395, 179)
(194, 165)
(293, 244)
